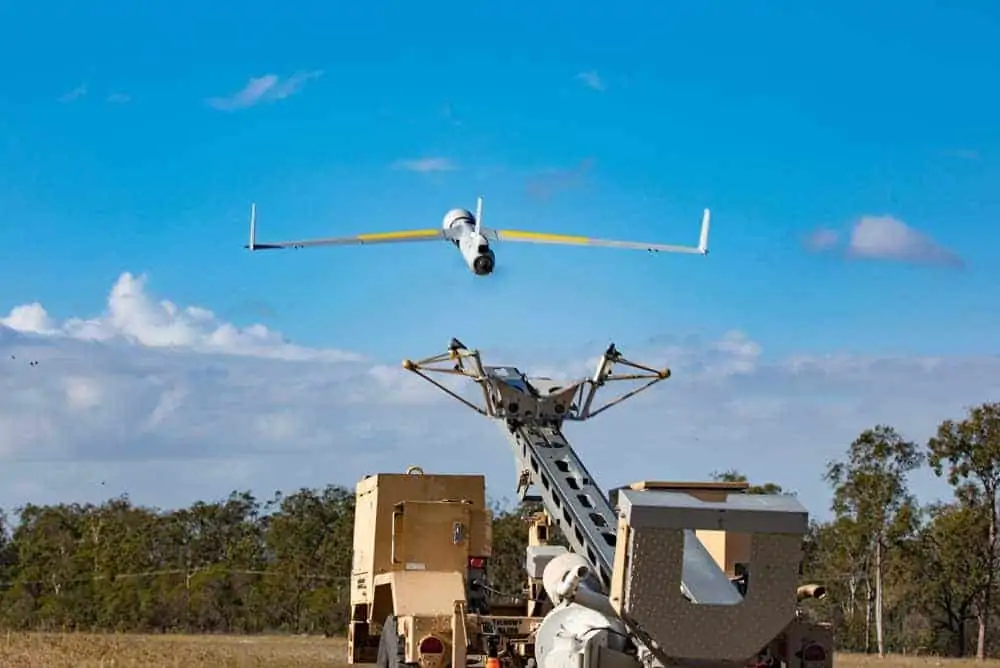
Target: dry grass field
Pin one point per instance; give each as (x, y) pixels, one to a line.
(39, 650)
(896, 661)
(70, 650)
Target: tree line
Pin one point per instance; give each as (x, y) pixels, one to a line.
(901, 576)
(906, 576)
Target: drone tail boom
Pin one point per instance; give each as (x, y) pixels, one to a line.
(253, 226)
(703, 239)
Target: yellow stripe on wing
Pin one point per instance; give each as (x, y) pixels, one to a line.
(518, 235)
(403, 234)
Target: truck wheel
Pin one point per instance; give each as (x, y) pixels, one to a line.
(391, 653)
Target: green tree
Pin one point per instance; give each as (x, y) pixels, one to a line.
(837, 554)
(948, 559)
(7, 556)
(507, 578)
(971, 449)
(870, 488)
(732, 475)
(309, 545)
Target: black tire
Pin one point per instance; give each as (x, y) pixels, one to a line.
(391, 653)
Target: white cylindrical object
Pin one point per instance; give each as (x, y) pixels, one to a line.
(563, 575)
(569, 577)
(571, 632)
(582, 620)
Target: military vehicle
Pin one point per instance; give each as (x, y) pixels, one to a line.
(656, 574)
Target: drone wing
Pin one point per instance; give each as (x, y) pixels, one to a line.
(573, 240)
(433, 234)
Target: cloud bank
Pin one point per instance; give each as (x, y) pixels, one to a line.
(884, 238)
(170, 404)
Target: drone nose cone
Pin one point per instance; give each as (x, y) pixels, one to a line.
(483, 265)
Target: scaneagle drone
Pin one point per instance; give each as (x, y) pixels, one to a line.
(467, 233)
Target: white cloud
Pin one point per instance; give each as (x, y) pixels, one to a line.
(884, 238)
(424, 165)
(74, 94)
(266, 88)
(28, 318)
(83, 89)
(134, 317)
(887, 238)
(822, 239)
(591, 80)
(169, 404)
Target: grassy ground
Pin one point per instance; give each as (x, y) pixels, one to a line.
(37, 650)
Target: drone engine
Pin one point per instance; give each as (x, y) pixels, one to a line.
(474, 246)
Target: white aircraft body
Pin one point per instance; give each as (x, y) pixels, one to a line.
(472, 239)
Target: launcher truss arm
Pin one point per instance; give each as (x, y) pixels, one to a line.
(464, 363)
(551, 400)
(603, 374)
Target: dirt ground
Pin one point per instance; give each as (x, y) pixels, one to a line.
(38, 650)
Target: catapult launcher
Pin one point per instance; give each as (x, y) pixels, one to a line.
(657, 573)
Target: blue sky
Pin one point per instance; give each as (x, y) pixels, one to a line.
(791, 122)
(780, 118)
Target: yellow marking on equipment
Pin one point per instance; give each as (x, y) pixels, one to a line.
(404, 234)
(543, 236)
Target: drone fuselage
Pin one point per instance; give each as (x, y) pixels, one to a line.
(460, 225)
